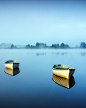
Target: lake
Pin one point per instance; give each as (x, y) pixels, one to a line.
(34, 85)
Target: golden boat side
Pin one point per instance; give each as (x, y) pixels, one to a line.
(61, 73)
(12, 65)
(67, 73)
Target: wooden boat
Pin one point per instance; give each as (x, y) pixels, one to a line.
(12, 71)
(63, 71)
(64, 82)
(12, 64)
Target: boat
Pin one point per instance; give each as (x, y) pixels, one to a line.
(64, 82)
(12, 72)
(63, 71)
(12, 64)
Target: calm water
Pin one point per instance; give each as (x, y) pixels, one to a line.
(33, 86)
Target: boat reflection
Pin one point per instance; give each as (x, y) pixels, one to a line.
(38, 54)
(64, 53)
(56, 53)
(12, 71)
(83, 54)
(67, 83)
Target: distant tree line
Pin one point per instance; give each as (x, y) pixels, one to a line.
(83, 45)
(13, 46)
(60, 46)
(43, 45)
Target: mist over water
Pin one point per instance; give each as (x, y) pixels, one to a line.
(35, 85)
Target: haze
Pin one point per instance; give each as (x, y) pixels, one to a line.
(50, 22)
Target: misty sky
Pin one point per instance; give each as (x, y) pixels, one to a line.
(51, 22)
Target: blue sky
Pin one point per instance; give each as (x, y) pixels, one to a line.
(28, 22)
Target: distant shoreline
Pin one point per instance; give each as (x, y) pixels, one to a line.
(42, 46)
(45, 48)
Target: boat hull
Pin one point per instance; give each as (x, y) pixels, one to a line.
(12, 65)
(63, 73)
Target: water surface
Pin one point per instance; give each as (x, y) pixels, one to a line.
(33, 85)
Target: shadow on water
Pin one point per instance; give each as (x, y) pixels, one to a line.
(67, 83)
(12, 72)
(83, 54)
(64, 53)
(56, 53)
(38, 54)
